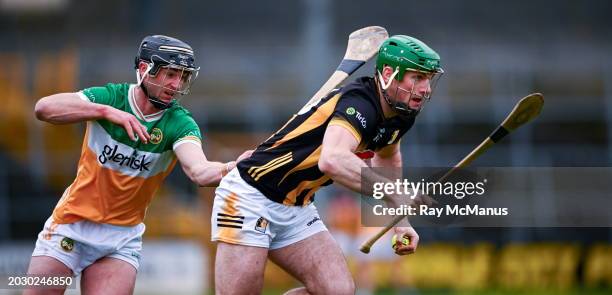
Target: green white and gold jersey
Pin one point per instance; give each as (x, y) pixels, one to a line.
(117, 177)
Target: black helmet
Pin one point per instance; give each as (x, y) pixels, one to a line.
(162, 51)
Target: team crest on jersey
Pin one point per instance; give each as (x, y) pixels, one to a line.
(261, 225)
(156, 135)
(67, 244)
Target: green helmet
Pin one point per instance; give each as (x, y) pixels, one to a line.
(404, 53)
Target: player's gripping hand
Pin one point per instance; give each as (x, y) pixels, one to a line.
(232, 164)
(244, 155)
(135, 130)
(403, 235)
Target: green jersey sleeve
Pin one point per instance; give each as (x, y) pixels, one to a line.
(188, 131)
(103, 95)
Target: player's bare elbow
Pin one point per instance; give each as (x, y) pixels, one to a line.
(212, 181)
(193, 177)
(328, 164)
(192, 173)
(42, 109)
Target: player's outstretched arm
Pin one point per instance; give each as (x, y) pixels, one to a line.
(197, 167)
(66, 108)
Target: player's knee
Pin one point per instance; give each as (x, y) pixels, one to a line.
(346, 287)
(340, 286)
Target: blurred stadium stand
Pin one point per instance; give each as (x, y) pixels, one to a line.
(260, 62)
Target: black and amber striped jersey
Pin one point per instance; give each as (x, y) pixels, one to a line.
(285, 167)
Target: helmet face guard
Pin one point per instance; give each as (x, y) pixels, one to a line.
(177, 60)
(406, 54)
(170, 72)
(391, 95)
(401, 108)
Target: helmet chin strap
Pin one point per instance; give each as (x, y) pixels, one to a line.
(402, 109)
(156, 102)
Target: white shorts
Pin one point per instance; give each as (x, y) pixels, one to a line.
(80, 244)
(243, 215)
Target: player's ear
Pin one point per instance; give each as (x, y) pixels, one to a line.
(142, 67)
(387, 72)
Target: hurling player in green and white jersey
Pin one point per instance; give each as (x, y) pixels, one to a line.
(135, 134)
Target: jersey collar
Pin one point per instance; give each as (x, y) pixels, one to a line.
(136, 110)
